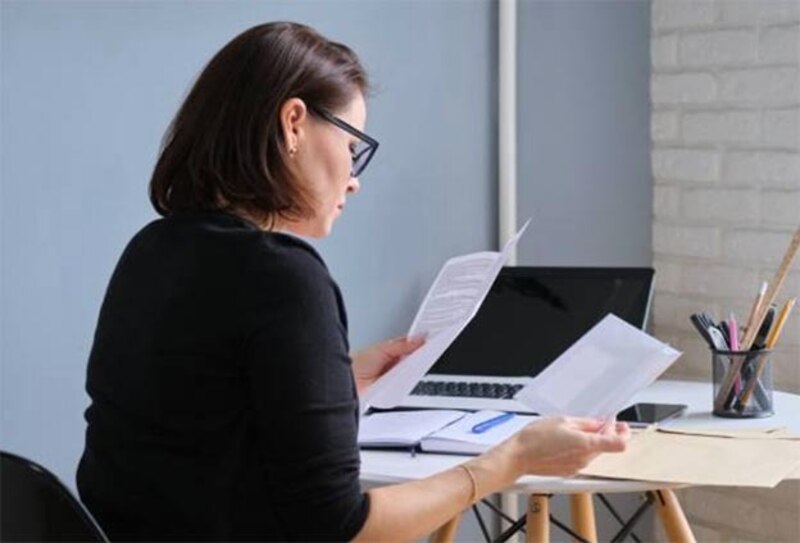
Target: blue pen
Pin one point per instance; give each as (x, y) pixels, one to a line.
(491, 423)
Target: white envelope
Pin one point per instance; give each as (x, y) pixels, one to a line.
(600, 373)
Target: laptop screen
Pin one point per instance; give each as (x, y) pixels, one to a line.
(532, 315)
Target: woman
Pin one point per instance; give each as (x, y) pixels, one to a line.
(224, 401)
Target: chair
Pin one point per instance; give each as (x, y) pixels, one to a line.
(36, 506)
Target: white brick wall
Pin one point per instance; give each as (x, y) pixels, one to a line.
(780, 44)
(767, 170)
(722, 127)
(689, 88)
(664, 51)
(683, 13)
(716, 206)
(686, 241)
(725, 128)
(758, 87)
(717, 48)
(753, 12)
(782, 128)
(664, 125)
(686, 164)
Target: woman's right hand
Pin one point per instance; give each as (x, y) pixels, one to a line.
(551, 446)
(562, 446)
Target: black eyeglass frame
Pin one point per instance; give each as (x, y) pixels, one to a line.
(372, 143)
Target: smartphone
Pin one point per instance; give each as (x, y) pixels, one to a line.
(644, 414)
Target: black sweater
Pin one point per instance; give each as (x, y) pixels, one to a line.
(223, 402)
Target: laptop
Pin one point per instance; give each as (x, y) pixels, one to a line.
(529, 317)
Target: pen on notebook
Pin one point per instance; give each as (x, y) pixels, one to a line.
(774, 335)
(481, 427)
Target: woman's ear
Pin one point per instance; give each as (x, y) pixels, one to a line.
(293, 116)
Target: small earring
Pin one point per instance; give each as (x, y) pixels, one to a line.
(293, 150)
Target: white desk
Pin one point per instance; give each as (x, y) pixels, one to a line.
(386, 467)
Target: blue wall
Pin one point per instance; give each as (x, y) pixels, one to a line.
(584, 132)
(87, 91)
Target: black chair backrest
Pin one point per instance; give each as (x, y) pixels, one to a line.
(36, 506)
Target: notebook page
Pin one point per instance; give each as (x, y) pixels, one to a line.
(459, 437)
(402, 428)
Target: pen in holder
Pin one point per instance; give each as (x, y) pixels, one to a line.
(742, 383)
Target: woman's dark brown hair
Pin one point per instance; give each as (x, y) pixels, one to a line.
(224, 149)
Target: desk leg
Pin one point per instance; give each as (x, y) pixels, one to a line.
(509, 504)
(675, 524)
(537, 521)
(583, 516)
(447, 531)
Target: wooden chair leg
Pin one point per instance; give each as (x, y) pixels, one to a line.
(537, 520)
(447, 531)
(583, 516)
(672, 518)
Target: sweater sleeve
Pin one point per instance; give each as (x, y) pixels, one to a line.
(305, 403)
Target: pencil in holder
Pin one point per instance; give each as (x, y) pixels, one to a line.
(742, 383)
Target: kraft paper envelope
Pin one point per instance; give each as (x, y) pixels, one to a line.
(755, 433)
(747, 433)
(701, 460)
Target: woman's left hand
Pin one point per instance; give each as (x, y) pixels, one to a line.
(373, 361)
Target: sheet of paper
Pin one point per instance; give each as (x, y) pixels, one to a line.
(459, 289)
(701, 460)
(451, 302)
(600, 373)
(455, 294)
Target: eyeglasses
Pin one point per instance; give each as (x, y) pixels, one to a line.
(362, 153)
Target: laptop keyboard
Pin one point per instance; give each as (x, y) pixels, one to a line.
(502, 391)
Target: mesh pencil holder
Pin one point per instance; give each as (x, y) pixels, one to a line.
(742, 383)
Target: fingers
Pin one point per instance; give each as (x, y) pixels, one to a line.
(607, 443)
(623, 430)
(586, 425)
(563, 446)
(598, 425)
(418, 341)
(601, 436)
(401, 346)
(407, 339)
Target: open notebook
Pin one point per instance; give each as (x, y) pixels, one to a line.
(445, 431)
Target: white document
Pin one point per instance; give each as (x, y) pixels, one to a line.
(600, 373)
(456, 294)
(452, 301)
